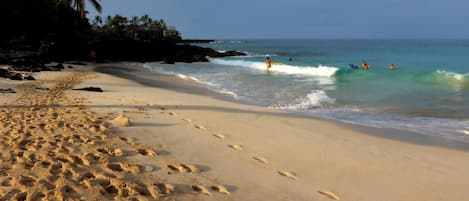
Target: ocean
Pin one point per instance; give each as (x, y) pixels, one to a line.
(427, 93)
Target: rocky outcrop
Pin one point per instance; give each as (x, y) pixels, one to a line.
(113, 51)
(130, 50)
(93, 89)
(227, 54)
(33, 65)
(7, 91)
(11, 75)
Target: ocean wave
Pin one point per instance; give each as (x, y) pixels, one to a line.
(185, 77)
(320, 70)
(453, 75)
(253, 54)
(225, 91)
(227, 41)
(315, 99)
(454, 80)
(438, 77)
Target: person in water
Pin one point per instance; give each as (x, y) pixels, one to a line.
(392, 67)
(268, 62)
(352, 66)
(365, 65)
(290, 59)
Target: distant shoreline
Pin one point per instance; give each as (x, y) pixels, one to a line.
(197, 41)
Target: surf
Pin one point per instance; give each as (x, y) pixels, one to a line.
(323, 71)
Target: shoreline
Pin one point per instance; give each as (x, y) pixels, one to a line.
(171, 82)
(134, 141)
(250, 149)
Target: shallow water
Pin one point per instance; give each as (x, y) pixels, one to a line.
(428, 92)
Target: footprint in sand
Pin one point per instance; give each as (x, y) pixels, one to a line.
(220, 189)
(115, 167)
(187, 120)
(288, 174)
(180, 168)
(7, 182)
(147, 152)
(56, 168)
(96, 158)
(45, 164)
(260, 159)
(172, 113)
(236, 146)
(87, 176)
(200, 189)
(129, 168)
(69, 174)
(21, 196)
(37, 196)
(126, 140)
(108, 189)
(111, 152)
(329, 194)
(190, 168)
(176, 168)
(164, 189)
(219, 136)
(10, 194)
(200, 127)
(27, 181)
(142, 190)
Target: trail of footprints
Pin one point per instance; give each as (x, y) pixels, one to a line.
(261, 160)
(54, 148)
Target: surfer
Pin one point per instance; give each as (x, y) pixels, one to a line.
(290, 59)
(352, 66)
(392, 67)
(365, 65)
(268, 62)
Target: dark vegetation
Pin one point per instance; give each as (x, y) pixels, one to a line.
(35, 32)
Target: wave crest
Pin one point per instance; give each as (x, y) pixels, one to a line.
(315, 99)
(453, 75)
(325, 71)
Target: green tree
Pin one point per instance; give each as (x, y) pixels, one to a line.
(145, 20)
(97, 22)
(79, 6)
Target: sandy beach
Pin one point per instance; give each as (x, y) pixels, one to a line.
(157, 137)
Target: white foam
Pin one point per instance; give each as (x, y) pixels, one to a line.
(233, 94)
(180, 76)
(456, 76)
(235, 41)
(185, 77)
(320, 70)
(315, 99)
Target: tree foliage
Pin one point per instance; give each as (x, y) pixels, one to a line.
(27, 22)
(120, 27)
(31, 23)
(80, 6)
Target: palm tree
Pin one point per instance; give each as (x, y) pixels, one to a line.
(79, 6)
(97, 22)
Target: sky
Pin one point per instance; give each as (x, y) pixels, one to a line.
(303, 19)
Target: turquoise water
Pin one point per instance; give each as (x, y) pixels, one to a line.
(428, 92)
